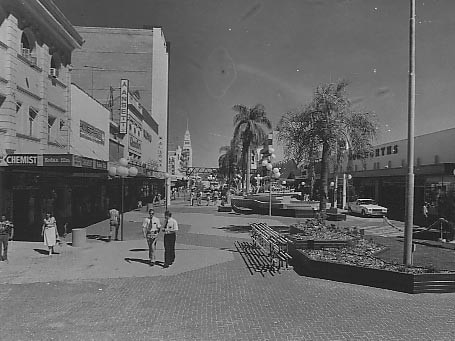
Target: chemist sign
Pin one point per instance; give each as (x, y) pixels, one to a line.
(21, 160)
(124, 88)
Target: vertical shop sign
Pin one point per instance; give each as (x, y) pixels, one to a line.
(124, 88)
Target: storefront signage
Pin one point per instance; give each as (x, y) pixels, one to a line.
(124, 88)
(77, 161)
(99, 164)
(86, 162)
(22, 160)
(57, 160)
(135, 143)
(147, 136)
(91, 133)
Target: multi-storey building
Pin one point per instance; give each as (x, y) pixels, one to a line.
(187, 150)
(41, 168)
(140, 56)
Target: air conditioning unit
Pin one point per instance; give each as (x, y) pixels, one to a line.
(53, 72)
(26, 52)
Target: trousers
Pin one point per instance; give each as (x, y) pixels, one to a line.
(151, 241)
(169, 248)
(4, 246)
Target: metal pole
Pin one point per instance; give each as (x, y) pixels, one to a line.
(407, 254)
(123, 193)
(270, 196)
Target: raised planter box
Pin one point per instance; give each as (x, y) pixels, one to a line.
(393, 280)
(318, 244)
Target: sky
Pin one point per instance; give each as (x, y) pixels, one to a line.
(228, 52)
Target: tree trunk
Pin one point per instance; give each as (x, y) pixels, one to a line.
(248, 170)
(324, 177)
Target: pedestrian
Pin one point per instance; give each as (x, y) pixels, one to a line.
(199, 198)
(192, 197)
(150, 228)
(159, 198)
(114, 223)
(6, 234)
(49, 232)
(170, 232)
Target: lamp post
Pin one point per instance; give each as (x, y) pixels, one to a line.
(167, 189)
(122, 171)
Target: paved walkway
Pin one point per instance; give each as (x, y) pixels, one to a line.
(105, 291)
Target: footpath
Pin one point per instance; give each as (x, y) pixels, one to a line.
(29, 261)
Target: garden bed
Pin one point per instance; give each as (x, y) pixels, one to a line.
(342, 255)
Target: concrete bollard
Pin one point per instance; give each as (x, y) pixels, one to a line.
(79, 237)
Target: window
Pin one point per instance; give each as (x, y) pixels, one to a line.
(54, 70)
(389, 150)
(50, 125)
(377, 152)
(32, 114)
(18, 106)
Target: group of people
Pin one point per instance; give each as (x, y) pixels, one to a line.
(151, 227)
(212, 197)
(49, 232)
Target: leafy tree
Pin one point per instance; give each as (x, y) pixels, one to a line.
(227, 161)
(248, 128)
(325, 129)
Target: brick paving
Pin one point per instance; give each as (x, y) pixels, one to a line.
(217, 301)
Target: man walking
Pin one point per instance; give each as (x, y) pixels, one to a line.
(150, 228)
(6, 234)
(170, 229)
(114, 223)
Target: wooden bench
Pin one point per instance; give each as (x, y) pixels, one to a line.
(272, 243)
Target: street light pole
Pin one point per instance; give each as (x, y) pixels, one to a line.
(407, 253)
(122, 206)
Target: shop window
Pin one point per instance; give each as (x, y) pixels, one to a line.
(32, 114)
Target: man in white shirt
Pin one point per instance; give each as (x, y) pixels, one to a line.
(170, 229)
(114, 223)
(150, 228)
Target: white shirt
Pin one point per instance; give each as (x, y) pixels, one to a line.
(171, 226)
(151, 226)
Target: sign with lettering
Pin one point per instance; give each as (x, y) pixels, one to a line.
(22, 160)
(91, 133)
(124, 89)
(57, 160)
(135, 143)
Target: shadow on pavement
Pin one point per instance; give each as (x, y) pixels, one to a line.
(45, 252)
(138, 260)
(137, 250)
(235, 228)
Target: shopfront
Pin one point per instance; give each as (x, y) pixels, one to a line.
(72, 187)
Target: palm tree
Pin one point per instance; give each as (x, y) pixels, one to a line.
(327, 125)
(248, 128)
(228, 160)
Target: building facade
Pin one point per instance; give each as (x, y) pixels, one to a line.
(381, 175)
(141, 57)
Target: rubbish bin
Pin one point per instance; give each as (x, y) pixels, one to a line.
(79, 237)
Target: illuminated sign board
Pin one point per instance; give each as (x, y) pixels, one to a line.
(124, 88)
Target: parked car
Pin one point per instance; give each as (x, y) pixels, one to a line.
(367, 207)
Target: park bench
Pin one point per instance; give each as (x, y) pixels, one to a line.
(273, 244)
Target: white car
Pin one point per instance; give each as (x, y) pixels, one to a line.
(367, 207)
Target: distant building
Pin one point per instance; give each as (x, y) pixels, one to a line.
(181, 158)
(381, 175)
(187, 150)
(138, 55)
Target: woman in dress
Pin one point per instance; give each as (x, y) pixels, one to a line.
(49, 232)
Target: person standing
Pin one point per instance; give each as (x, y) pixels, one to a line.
(114, 223)
(170, 232)
(192, 197)
(150, 228)
(6, 234)
(49, 232)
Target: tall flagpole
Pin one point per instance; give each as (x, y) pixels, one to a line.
(407, 254)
